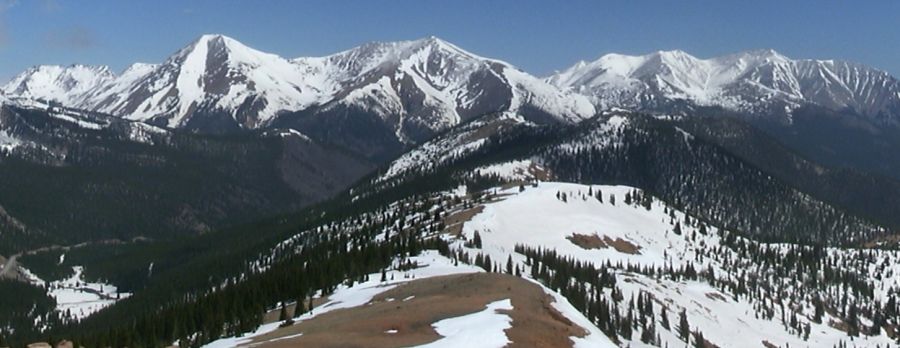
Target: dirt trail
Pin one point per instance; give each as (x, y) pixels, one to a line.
(403, 316)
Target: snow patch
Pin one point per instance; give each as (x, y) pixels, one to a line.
(515, 170)
(76, 296)
(480, 329)
(8, 142)
(431, 264)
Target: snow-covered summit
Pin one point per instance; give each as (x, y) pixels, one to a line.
(63, 84)
(433, 84)
(213, 73)
(422, 86)
(751, 81)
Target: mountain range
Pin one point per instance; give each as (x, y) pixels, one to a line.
(382, 98)
(763, 83)
(416, 87)
(438, 84)
(409, 106)
(228, 197)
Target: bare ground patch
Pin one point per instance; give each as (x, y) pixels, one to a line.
(892, 239)
(587, 241)
(486, 131)
(592, 241)
(623, 246)
(403, 316)
(454, 222)
(272, 316)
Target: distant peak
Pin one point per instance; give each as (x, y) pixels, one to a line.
(432, 39)
(442, 45)
(667, 54)
(216, 44)
(680, 55)
(100, 69)
(139, 67)
(213, 37)
(675, 52)
(766, 53)
(673, 56)
(216, 39)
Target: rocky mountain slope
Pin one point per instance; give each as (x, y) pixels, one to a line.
(65, 85)
(217, 84)
(763, 83)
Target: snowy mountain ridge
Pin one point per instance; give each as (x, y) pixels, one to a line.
(753, 81)
(64, 84)
(442, 83)
(630, 268)
(427, 85)
(214, 72)
(430, 83)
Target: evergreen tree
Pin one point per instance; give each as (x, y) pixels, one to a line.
(299, 306)
(699, 341)
(664, 319)
(684, 328)
(283, 315)
(818, 311)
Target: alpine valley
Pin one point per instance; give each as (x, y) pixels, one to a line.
(413, 193)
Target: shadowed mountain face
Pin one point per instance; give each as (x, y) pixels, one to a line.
(838, 113)
(68, 177)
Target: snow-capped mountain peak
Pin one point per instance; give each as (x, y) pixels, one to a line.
(217, 83)
(757, 82)
(64, 84)
(423, 86)
(213, 74)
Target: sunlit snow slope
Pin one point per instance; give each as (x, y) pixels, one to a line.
(630, 240)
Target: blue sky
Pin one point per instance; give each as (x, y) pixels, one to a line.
(538, 36)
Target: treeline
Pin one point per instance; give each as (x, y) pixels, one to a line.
(254, 272)
(687, 172)
(794, 285)
(105, 186)
(24, 305)
(239, 305)
(694, 175)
